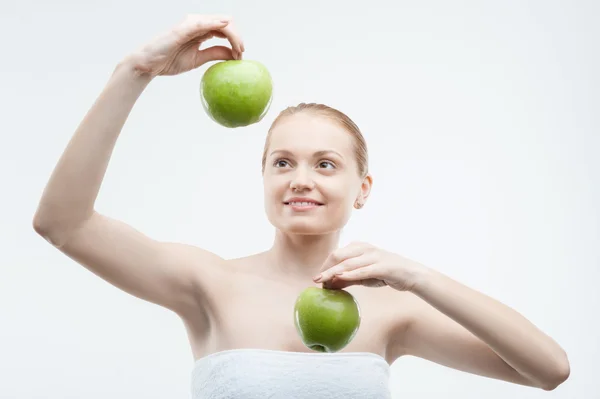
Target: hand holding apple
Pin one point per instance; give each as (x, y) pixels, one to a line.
(365, 264)
(177, 50)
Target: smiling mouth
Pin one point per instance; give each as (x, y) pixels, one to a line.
(303, 203)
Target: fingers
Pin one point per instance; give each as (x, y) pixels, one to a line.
(224, 27)
(350, 263)
(351, 257)
(339, 284)
(214, 53)
(369, 276)
(215, 24)
(362, 273)
(355, 264)
(341, 254)
(198, 25)
(195, 26)
(234, 38)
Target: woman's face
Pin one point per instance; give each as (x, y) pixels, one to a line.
(311, 179)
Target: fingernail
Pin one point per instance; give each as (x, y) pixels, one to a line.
(318, 278)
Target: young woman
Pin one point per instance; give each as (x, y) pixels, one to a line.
(315, 174)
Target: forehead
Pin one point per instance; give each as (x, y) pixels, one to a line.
(308, 132)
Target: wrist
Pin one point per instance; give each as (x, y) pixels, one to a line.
(132, 67)
(420, 277)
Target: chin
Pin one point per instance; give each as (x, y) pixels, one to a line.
(306, 226)
(320, 224)
(307, 229)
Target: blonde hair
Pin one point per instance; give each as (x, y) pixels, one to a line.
(360, 145)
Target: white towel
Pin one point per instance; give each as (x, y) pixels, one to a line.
(271, 374)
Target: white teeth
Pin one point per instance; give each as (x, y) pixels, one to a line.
(302, 203)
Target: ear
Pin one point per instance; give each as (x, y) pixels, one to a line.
(365, 190)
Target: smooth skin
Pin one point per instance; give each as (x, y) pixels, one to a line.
(407, 308)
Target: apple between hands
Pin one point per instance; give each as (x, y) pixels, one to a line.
(236, 93)
(326, 320)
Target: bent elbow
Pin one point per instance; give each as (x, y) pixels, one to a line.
(40, 227)
(46, 231)
(560, 375)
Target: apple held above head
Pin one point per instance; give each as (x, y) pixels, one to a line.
(326, 320)
(236, 93)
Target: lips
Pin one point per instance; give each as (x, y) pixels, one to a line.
(301, 201)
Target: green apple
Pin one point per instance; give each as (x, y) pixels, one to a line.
(236, 93)
(326, 319)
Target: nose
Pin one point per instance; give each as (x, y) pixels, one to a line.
(301, 181)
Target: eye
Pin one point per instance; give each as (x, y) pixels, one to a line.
(280, 163)
(326, 165)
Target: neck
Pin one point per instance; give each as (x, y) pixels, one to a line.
(301, 255)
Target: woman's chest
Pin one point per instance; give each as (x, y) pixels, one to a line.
(261, 314)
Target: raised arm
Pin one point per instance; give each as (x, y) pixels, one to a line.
(159, 272)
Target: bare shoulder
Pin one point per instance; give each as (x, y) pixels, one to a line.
(246, 266)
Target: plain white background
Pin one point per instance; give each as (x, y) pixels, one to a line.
(482, 122)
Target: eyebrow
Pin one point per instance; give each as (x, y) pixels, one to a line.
(316, 154)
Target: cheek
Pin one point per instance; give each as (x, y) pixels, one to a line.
(273, 189)
(340, 192)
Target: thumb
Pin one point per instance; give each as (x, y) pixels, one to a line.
(214, 53)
